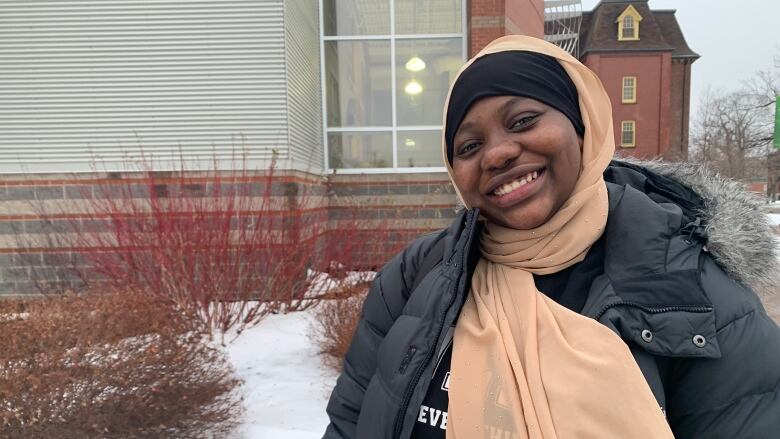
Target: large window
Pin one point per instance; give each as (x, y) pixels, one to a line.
(387, 66)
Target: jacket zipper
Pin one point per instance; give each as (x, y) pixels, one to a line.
(399, 420)
(655, 309)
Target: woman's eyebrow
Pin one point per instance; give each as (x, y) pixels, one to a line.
(466, 126)
(506, 106)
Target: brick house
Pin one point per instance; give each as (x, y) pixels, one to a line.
(643, 60)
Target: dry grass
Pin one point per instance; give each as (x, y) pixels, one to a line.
(110, 366)
(336, 320)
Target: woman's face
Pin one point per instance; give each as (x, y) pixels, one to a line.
(516, 159)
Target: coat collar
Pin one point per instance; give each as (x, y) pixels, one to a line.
(650, 292)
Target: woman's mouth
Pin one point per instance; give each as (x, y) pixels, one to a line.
(516, 185)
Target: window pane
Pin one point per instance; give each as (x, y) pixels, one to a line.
(360, 150)
(628, 27)
(428, 17)
(356, 17)
(628, 89)
(424, 70)
(357, 77)
(627, 137)
(419, 149)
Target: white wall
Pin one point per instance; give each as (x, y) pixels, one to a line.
(109, 79)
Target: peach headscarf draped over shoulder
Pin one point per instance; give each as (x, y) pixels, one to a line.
(524, 366)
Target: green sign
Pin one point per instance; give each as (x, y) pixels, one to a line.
(777, 123)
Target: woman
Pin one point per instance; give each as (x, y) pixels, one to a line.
(574, 297)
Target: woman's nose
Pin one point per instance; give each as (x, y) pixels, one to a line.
(500, 153)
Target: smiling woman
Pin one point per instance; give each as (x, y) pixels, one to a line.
(575, 296)
(518, 194)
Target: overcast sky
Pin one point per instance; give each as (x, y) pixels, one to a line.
(734, 39)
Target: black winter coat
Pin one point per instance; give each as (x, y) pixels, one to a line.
(701, 338)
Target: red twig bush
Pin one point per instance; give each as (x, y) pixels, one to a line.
(110, 366)
(229, 246)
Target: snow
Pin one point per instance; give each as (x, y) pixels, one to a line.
(322, 282)
(286, 385)
(774, 219)
(14, 316)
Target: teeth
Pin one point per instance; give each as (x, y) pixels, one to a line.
(520, 182)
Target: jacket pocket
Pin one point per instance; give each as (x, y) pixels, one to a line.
(400, 353)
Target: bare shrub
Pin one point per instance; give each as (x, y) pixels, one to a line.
(335, 321)
(110, 366)
(228, 246)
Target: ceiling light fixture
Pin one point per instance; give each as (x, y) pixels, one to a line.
(415, 64)
(413, 88)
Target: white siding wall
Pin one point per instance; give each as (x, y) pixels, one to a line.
(302, 40)
(98, 78)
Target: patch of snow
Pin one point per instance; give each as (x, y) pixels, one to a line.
(14, 316)
(321, 282)
(774, 219)
(286, 385)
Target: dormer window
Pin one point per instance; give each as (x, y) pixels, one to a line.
(628, 27)
(628, 24)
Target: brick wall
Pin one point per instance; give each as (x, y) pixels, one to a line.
(652, 110)
(491, 19)
(33, 209)
(676, 113)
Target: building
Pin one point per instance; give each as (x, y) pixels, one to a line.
(345, 96)
(643, 60)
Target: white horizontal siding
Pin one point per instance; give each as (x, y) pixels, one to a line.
(114, 79)
(302, 42)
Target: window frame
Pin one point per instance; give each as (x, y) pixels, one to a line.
(394, 128)
(623, 131)
(636, 19)
(623, 98)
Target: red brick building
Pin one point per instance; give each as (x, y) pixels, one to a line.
(643, 60)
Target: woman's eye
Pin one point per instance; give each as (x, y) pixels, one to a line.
(468, 147)
(523, 122)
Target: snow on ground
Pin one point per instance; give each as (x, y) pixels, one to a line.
(286, 385)
(774, 219)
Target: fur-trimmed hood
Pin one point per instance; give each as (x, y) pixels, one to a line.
(738, 233)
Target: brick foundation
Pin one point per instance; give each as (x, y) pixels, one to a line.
(395, 208)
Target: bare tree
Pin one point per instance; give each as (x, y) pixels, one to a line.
(732, 131)
(765, 87)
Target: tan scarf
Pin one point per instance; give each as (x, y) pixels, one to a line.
(522, 365)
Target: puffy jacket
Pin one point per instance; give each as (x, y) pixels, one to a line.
(680, 248)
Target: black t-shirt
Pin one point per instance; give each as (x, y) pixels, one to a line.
(566, 287)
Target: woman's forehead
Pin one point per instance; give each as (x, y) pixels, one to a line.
(495, 106)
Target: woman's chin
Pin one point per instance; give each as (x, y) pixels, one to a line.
(525, 219)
